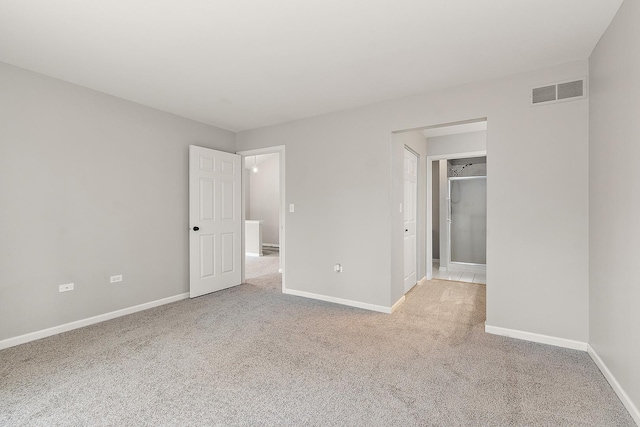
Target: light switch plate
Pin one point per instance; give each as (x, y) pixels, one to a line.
(65, 288)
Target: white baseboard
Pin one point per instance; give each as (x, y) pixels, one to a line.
(357, 304)
(397, 304)
(252, 254)
(423, 281)
(467, 268)
(271, 245)
(11, 342)
(615, 385)
(539, 338)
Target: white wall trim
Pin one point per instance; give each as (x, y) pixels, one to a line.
(423, 281)
(398, 303)
(342, 301)
(539, 338)
(615, 385)
(467, 267)
(252, 254)
(32, 336)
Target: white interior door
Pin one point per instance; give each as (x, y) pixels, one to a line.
(410, 214)
(215, 219)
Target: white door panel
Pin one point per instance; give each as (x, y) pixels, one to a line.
(410, 213)
(215, 220)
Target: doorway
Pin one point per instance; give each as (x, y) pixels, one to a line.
(263, 219)
(459, 140)
(457, 202)
(462, 228)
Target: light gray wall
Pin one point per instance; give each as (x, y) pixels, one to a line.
(416, 141)
(614, 205)
(435, 211)
(450, 145)
(265, 198)
(90, 186)
(346, 206)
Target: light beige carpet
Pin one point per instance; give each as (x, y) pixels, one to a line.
(252, 356)
(260, 266)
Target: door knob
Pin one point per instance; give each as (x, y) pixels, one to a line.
(406, 229)
(196, 228)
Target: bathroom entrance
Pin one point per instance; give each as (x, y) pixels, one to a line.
(463, 250)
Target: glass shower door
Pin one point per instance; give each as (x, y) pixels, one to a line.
(468, 219)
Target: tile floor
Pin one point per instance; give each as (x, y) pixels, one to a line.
(458, 276)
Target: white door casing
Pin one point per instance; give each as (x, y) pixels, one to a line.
(410, 217)
(215, 220)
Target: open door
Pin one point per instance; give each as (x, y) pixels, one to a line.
(215, 220)
(410, 218)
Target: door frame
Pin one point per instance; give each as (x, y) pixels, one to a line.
(429, 213)
(278, 149)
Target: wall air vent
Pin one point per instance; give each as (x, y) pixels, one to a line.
(543, 94)
(558, 92)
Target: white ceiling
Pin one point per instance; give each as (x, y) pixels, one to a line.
(241, 64)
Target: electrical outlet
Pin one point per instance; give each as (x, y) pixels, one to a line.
(292, 208)
(65, 288)
(115, 279)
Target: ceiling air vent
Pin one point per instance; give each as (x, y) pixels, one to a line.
(557, 92)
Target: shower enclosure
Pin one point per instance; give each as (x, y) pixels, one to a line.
(467, 223)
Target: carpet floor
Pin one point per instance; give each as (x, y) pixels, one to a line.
(261, 266)
(250, 355)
